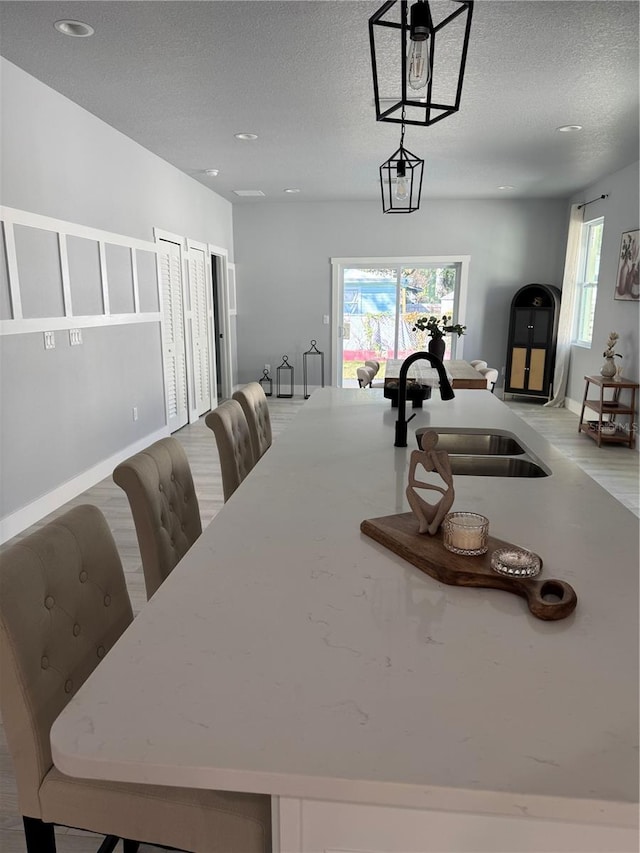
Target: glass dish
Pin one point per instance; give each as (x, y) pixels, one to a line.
(516, 562)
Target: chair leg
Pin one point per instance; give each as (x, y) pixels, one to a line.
(40, 836)
(109, 844)
(130, 846)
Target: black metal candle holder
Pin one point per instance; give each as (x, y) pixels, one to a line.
(284, 372)
(266, 383)
(313, 351)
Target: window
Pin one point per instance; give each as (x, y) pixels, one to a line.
(377, 301)
(587, 280)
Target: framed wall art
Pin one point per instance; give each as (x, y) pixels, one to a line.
(627, 285)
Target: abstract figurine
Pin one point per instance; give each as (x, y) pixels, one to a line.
(429, 515)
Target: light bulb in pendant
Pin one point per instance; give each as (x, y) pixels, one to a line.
(402, 190)
(418, 64)
(419, 68)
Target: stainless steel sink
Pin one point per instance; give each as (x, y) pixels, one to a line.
(494, 466)
(475, 443)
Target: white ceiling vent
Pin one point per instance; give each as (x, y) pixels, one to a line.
(249, 192)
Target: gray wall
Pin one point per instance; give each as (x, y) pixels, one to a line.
(59, 160)
(284, 274)
(66, 410)
(621, 213)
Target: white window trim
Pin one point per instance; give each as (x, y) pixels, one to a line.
(580, 284)
(339, 264)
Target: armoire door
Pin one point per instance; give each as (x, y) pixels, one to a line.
(541, 326)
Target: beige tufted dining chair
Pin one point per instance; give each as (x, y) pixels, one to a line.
(256, 410)
(159, 486)
(230, 427)
(63, 605)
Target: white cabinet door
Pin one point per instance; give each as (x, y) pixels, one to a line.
(173, 342)
(199, 293)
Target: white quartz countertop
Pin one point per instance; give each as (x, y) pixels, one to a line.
(290, 654)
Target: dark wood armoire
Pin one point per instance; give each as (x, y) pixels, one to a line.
(531, 348)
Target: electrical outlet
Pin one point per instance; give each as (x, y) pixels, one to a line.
(325, 319)
(267, 367)
(134, 412)
(49, 340)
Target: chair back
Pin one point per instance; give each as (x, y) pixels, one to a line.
(164, 505)
(374, 365)
(478, 364)
(63, 605)
(491, 375)
(229, 425)
(365, 376)
(256, 410)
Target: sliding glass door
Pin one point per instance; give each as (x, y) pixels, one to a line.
(380, 304)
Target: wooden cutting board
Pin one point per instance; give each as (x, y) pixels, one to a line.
(549, 599)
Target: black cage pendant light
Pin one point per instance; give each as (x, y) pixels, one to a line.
(418, 59)
(401, 181)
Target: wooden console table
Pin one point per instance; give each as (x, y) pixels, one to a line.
(422, 378)
(465, 376)
(613, 407)
(461, 374)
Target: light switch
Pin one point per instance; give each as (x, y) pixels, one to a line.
(49, 340)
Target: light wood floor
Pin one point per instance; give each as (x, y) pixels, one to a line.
(615, 467)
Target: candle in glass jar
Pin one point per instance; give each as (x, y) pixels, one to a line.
(466, 533)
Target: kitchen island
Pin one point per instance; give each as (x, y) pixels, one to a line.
(289, 654)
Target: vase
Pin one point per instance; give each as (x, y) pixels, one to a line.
(437, 347)
(608, 369)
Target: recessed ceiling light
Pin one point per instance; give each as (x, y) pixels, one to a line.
(212, 173)
(249, 136)
(569, 128)
(248, 192)
(291, 190)
(74, 28)
(506, 187)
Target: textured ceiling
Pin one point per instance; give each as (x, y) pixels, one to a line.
(181, 78)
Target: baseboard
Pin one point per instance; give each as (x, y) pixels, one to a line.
(572, 405)
(298, 390)
(19, 520)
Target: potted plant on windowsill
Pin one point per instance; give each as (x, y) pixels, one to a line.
(437, 328)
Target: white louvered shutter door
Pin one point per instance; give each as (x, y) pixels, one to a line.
(200, 329)
(173, 335)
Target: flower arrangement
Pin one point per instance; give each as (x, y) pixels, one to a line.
(611, 345)
(438, 327)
